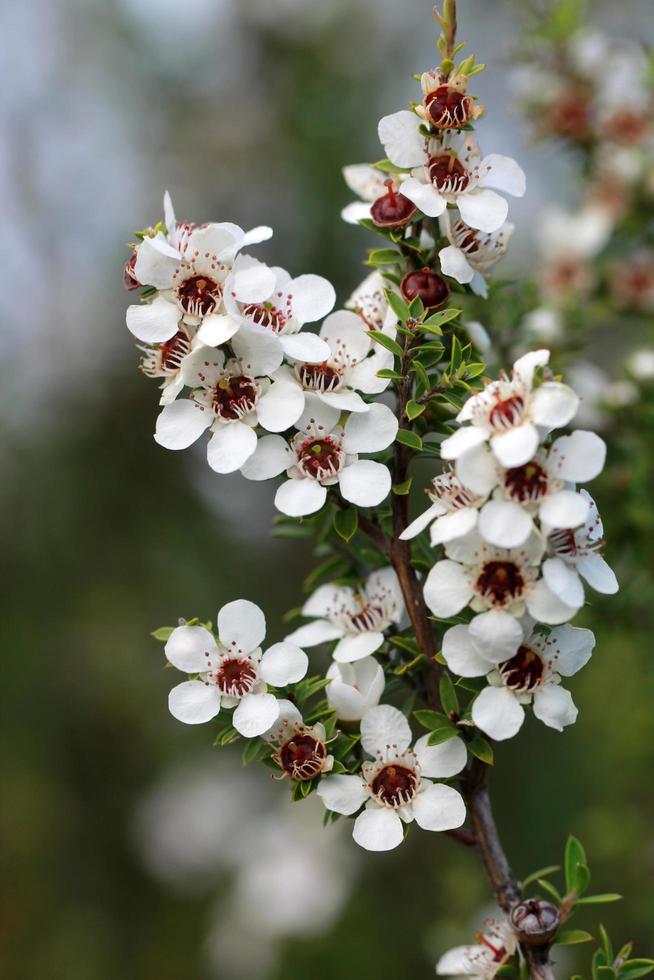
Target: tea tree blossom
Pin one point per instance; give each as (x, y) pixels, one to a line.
(454, 510)
(232, 671)
(494, 947)
(471, 254)
(300, 750)
(398, 786)
(357, 618)
(354, 687)
(575, 555)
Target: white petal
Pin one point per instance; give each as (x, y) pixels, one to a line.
(483, 209)
(312, 298)
(352, 648)
(462, 440)
(344, 401)
(477, 469)
(311, 634)
(400, 136)
(503, 174)
(424, 196)
(455, 264)
(156, 261)
(342, 794)
(230, 447)
(255, 714)
(370, 432)
(328, 599)
(256, 235)
(575, 647)
(462, 655)
(366, 181)
(563, 581)
(241, 626)
(258, 351)
(217, 329)
(251, 281)
(578, 457)
(305, 346)
(154, 322)
(354, 689)
(181, 423)
(194, 702)
(564, 509)
(421, 522)
(439, 808)
(504, 523)
(271, 457)
(345, 329)
(553, 405)
(517, 446)
(447, 589)
(365, 483)
(546, 607)
(280, 407)
(498, 713)
(288, 712)
(221, 239)
(554, 706)
(441, 761)
(453, 525)
(297, 498)
(378, 830)
(187, 648)
(169, 217)
(599, 574)
(384, 726)
(496, 635)
(283, 663)
(461, 960)
(363, 376)
(355, 212)
(317, 413)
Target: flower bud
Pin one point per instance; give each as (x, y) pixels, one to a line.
(430, 287)
(535, 921)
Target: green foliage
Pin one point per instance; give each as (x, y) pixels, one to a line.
(346, 523)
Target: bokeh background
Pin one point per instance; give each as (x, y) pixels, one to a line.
(128, 847)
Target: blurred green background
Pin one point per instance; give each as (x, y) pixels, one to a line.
(246, 110)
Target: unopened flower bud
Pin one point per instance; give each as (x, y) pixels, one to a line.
(535, 921)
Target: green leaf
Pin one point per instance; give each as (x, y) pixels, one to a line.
(414, 409)
(440, 735)
(434, 721)
(574, 855)
(448, 695)
(582, 878)
(384, 256)
(628, 971)
(163, 633)
(346, 523)
(441, 318)
(481, 749)
(389, 375)
(402, 489)
(397, 304)
(605, 973)
(571, 937)
(387, 342)
(548, 887)
(389, 168)
(603, 899)
(541, 873)
(607, 945)
(408, 438)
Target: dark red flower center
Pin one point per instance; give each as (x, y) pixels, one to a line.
(569, 116)
(320, 458)
(523, 671)
(199, 295)
(129, 279)
(173, 351)
(393, 209)
(395, 785)
(500, 581)
(265, 315)
(528, 482)
(236, 677)
(302, 757)
(319, 377)
(499, 952)
(448, 174)
(627, 126)
(367, 619)
(233, 398)
(507, 412)
(448, 108)
(430, 287)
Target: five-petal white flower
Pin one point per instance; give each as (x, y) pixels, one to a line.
(494, 947)
(354, 687)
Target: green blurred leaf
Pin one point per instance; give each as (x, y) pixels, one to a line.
(162, 633)
(397, 304)
(384, 256)
(481, 749)
(413, 410)
(402, 489)
(448, 695)
(408, 438)
(574, 855)
(603, 899)
(346, 523)
(572, 937)
(541, 873)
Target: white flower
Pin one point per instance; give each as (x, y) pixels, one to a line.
(478, 334)
(543, 323)
(225, 398)
(568, 241)
(233, 672)
(385, 205)
(355, 687)
(454, 510)
(262, 301)
(188, 268)
(369, 301)
(641, 364)
(494, 579)
(575, 555)
(543, 487)
(167, 361)
(494, 947)
(471, 254)
(300, 750)
(450, 170)
(321, 455)
(397, 787)
(512, 415)
(356, 618)
(531, 676)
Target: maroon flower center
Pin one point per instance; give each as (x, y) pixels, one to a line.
(199, 295)
(627, 126)
(233, 398)
(302, 757)
(563, 542)
(173, 351)
(528, 482)
(431, 288)
(569, 116)
(320, 458)
(500, 581)
(499, 952)
(318, 377)
(266, 316)
(393, 209)
(129, 279)
(395, 785)
(369, 618)
(448, 108)
(524, 671)
(448, 174)
(507, 412)
(236, 677)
